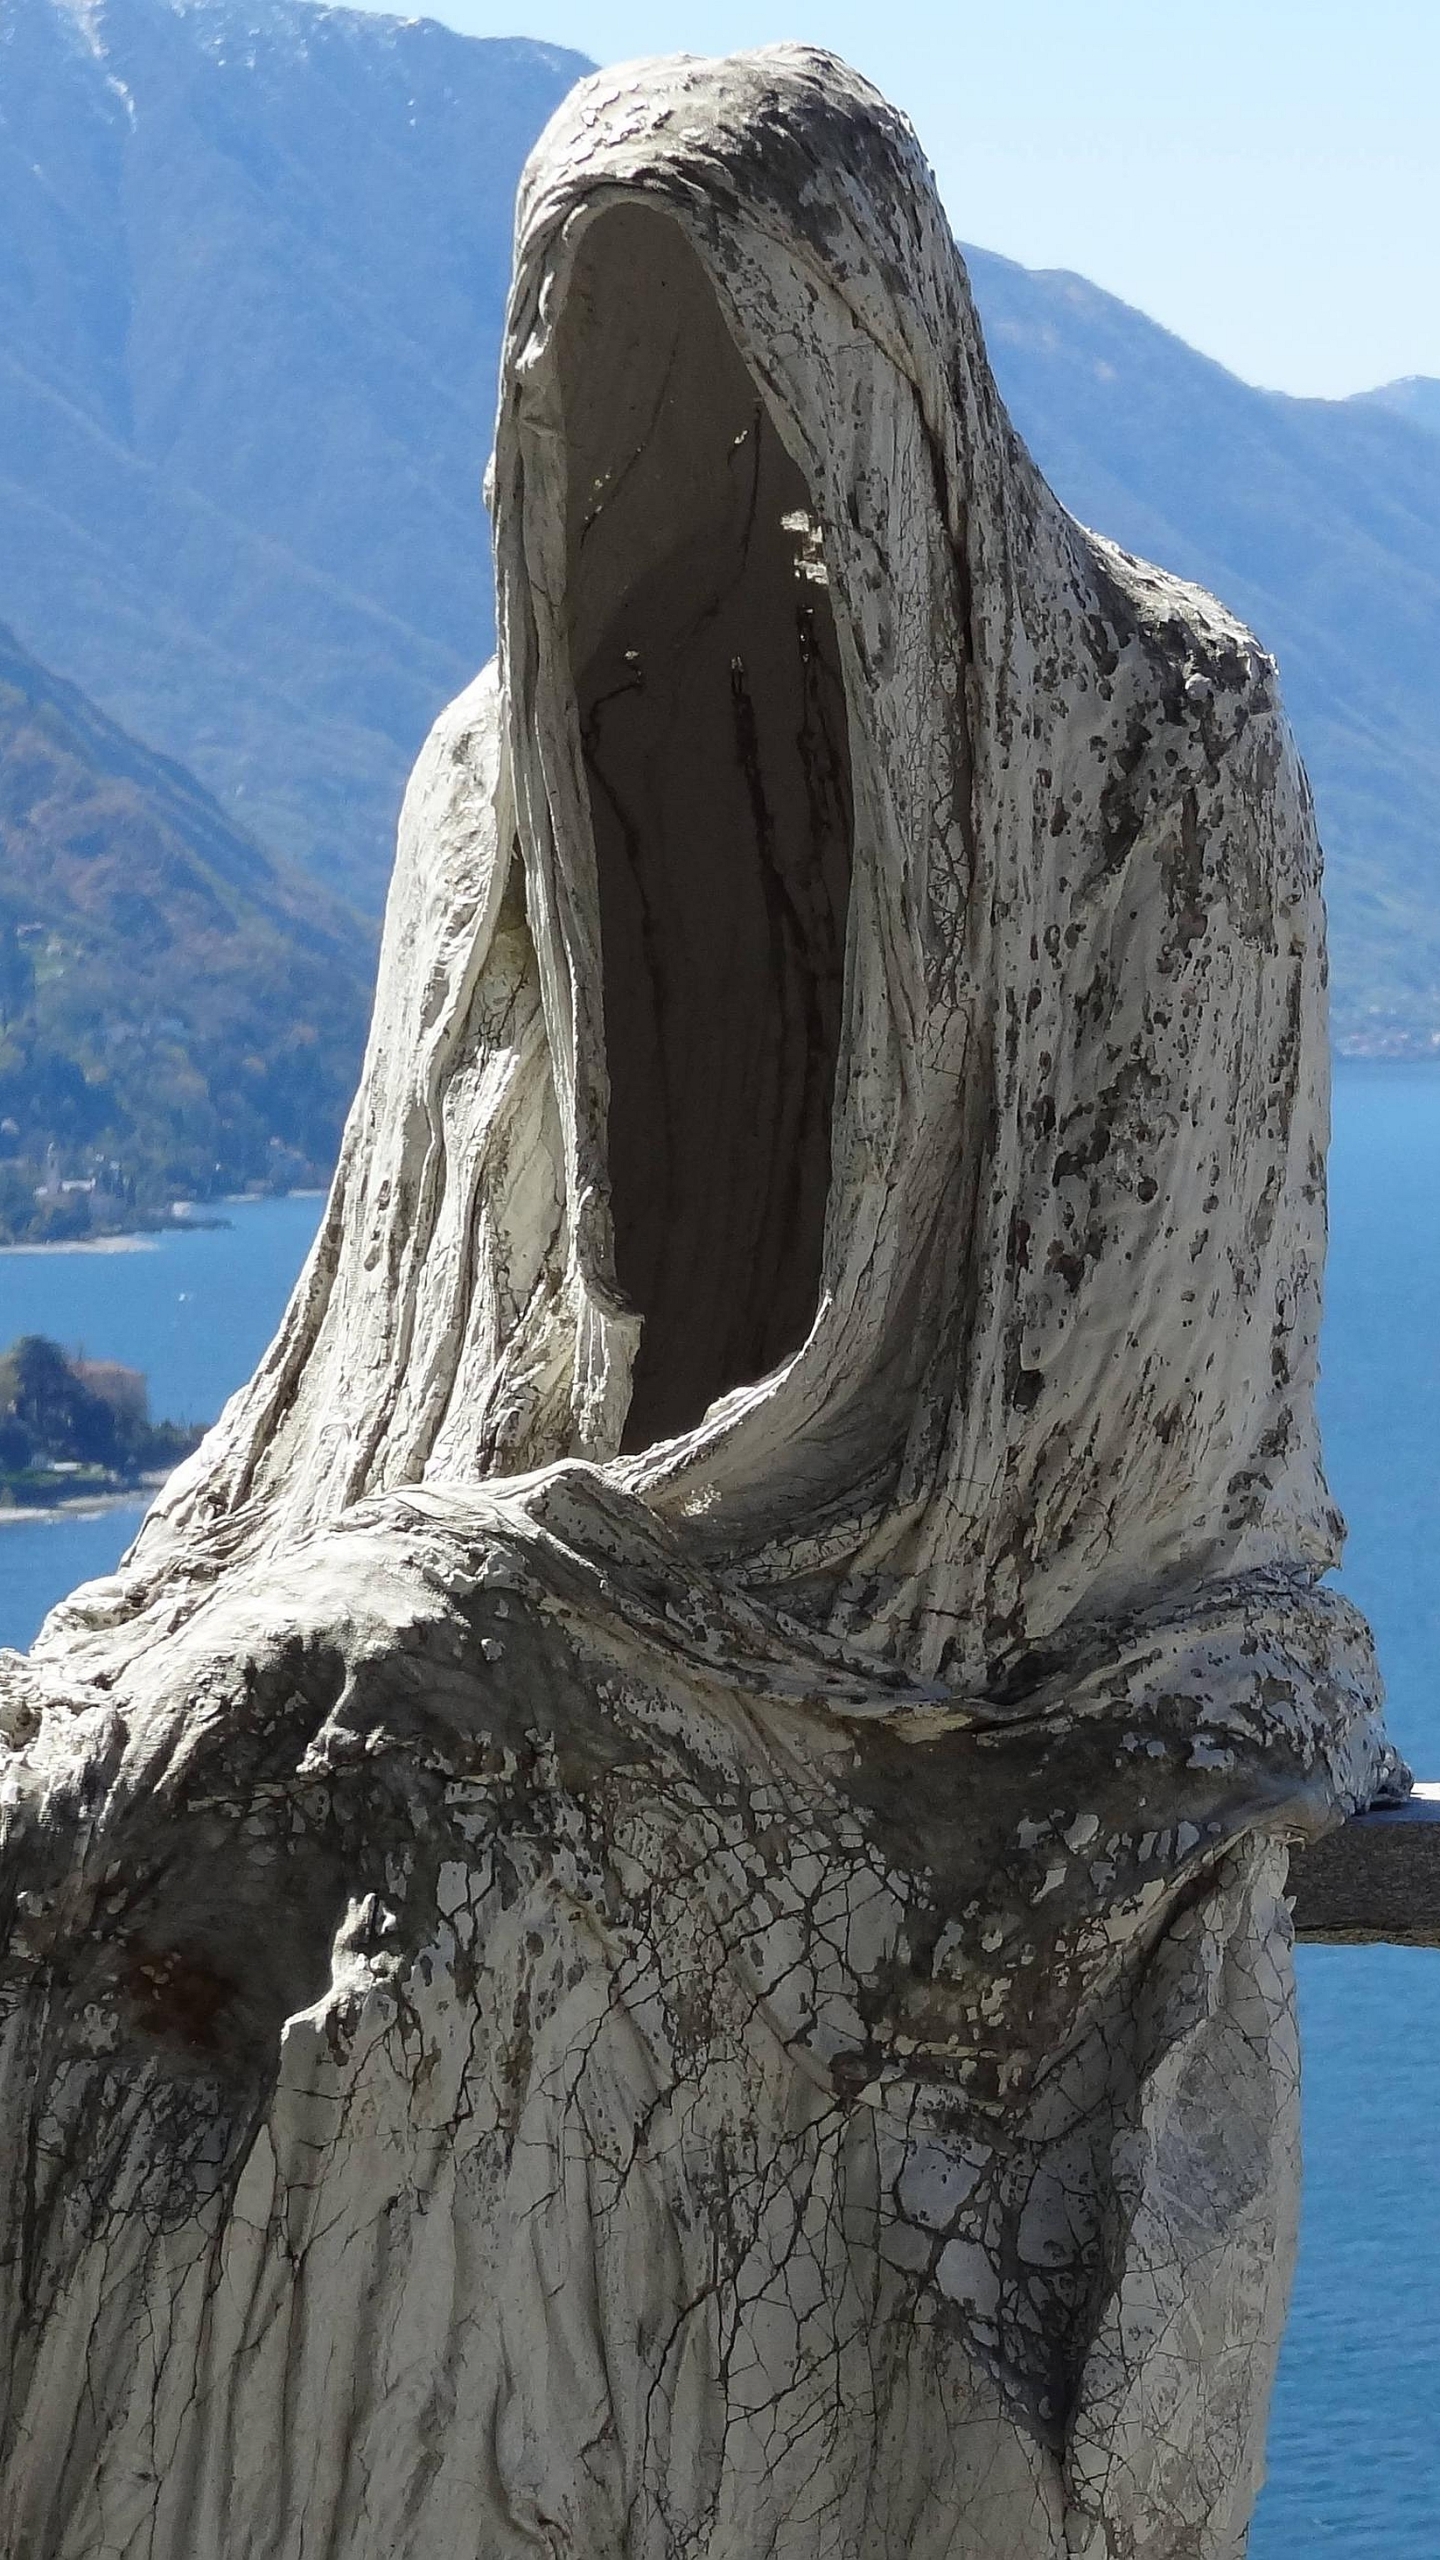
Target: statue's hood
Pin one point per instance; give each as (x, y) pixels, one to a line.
(982, 1050)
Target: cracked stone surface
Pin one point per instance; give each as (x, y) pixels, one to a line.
(648, 1923)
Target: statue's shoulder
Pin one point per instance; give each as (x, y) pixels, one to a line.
(468, 730)
(1210, 650)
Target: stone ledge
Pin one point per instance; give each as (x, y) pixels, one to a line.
(1376, 1882)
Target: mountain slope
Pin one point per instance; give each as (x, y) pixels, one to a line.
(253, 261)
(1416, 397)
(252, 272)
(177, 1014)
(1319, 522)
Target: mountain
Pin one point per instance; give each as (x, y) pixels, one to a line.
(178, 1014)
(1416, 397)
(253, 257)
(1316, 520)
(253, 261)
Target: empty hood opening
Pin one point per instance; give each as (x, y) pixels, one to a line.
(715, 745)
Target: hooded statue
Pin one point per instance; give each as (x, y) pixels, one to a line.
(648, 1924)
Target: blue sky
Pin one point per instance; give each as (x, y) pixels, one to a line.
(1261, 175)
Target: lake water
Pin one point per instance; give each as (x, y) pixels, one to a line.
(1356, 2428)
(194, 1309)
(1355, 2433)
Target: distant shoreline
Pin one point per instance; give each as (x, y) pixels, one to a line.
(147, 1239)
(139, 1240)
(82, 1506)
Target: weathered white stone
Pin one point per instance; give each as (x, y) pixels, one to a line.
(648, 1921)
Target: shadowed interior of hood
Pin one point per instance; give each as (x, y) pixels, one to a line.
(716, 750)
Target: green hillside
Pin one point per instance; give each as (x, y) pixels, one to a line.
(178, 1016)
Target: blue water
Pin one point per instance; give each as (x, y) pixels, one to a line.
(1355, 2431)
(194, 1311)
(1355, 2436)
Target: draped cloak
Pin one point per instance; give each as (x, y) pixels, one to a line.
(649, 1920)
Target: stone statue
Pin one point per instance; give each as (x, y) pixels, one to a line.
(648, 1923)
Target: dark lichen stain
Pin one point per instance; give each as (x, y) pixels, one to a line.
(175, 1998)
